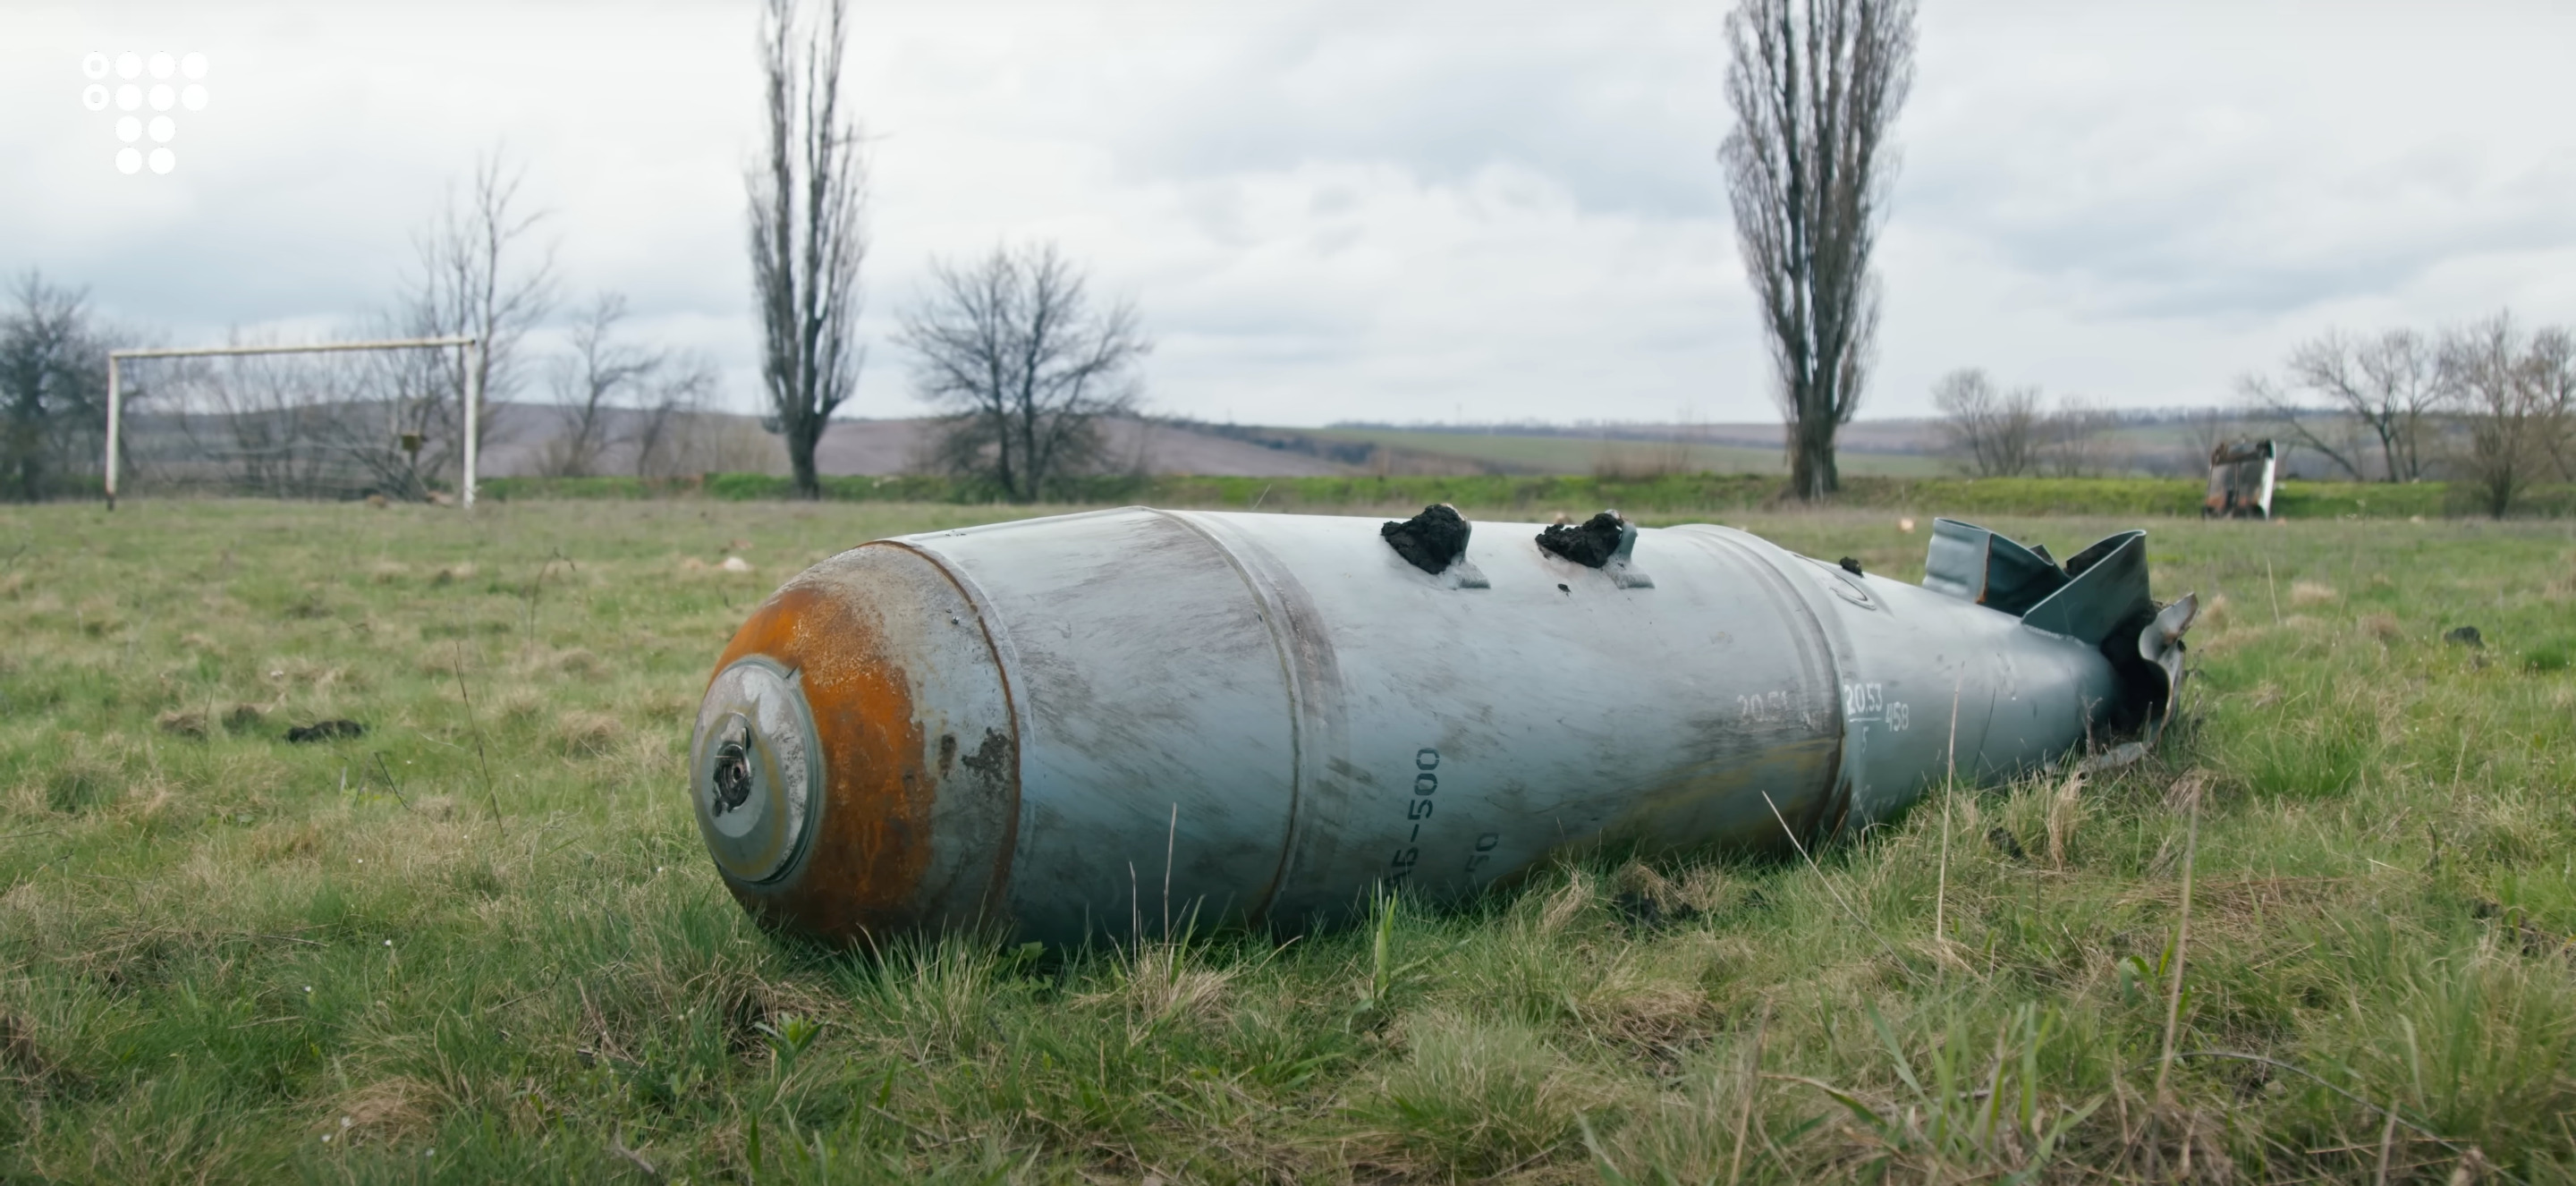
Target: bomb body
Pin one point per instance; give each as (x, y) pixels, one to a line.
(1085, 725)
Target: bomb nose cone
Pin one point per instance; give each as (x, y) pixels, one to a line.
(753, 769)
(854, 769)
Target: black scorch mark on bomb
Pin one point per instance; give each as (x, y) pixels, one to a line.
(1590, 544)
(1430, 541)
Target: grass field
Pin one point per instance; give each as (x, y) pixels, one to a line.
(481, 942)
(1540, 496)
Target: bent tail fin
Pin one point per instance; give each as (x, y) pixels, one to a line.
(2107, 586)
(2100, 597)
(2098, 589)
(1973, 564)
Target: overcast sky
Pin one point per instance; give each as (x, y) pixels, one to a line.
(1420, 211)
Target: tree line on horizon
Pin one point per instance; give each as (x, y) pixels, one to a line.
(2490, 404)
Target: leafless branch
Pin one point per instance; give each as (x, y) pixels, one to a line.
(1024, 363)
(1815, 85)
(807, 236)
(2389, 386)
(2514, 393)
(1994, 433)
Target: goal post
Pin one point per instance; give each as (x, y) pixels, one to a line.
(472, 346)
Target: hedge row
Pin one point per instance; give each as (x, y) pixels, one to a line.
(1575, 493)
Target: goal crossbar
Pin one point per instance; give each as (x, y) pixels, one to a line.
(473, 387)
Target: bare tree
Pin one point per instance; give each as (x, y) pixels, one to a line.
(2551, 362)
(475, 280)
(2512, 392)
(1994, 433)
(2073, 439)
(673, 406)
(476, 271)
(2206, 429)
(807, 240)
(597, 379)
(53, 388)
(277, 414)
(1025, 365)
(1815, 85)
(2391, 385)
(612, 394)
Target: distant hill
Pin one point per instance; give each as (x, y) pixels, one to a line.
(735, 443)
(1907, 448)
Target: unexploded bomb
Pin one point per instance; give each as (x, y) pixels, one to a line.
(1036, 727)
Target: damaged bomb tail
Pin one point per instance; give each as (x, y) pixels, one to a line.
(1033, 728)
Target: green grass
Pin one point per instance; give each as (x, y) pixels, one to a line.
(482, 942)
(1581, 494)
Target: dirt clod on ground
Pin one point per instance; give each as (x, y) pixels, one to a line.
(1430, 541)
(331, 730)
(1589, 544)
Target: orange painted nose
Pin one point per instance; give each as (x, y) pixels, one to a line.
(854, 770)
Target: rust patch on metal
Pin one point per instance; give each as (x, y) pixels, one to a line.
(1006, 767)
(872, 835)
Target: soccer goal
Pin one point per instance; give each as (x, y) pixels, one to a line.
(356, 418)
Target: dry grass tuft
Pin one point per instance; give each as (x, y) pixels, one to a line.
(273, 845)
(577, 662)
(386, 1110)
(1567, 904)
(91, 775)
(2065, 814)
(147, 801)
(587, 734)
(1480, 1098)
(1640, 880)
(1167, 981)
(2561, 587)
(2382, 626)
(386, 572)
(2307, 593)
(1707, 889)
(21, 1057)
(309, 675)
(520, 703)
(2186, 791)
(1691, 891)
(451, 573)
(182, 722)
(1650, 1002)
(663, 704)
